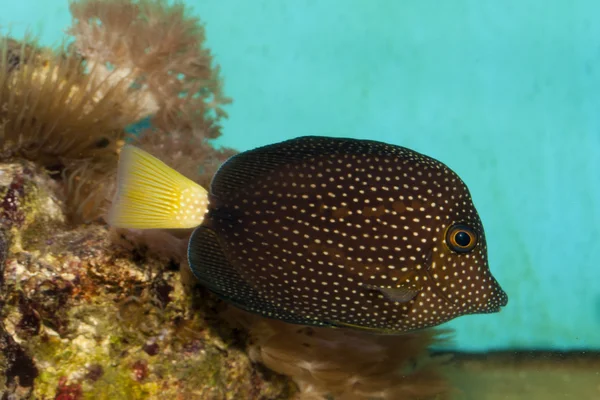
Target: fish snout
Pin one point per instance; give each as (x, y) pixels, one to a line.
(496, 300)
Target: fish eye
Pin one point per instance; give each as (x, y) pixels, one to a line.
(461, 238)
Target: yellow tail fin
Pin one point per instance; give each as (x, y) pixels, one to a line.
(151, 195)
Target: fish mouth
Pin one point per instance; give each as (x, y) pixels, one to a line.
(501, 302)
(504, 300)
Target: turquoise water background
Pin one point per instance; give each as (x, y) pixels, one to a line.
(506, 93)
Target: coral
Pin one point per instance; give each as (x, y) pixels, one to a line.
(82, 317)
(349, 365)
(161, 50)
(162, 47)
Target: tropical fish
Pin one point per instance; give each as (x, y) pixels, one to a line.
(323, 231)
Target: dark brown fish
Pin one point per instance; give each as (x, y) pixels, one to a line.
(344, 232)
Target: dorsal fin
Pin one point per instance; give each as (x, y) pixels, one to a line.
(211, 267)
(244, 168)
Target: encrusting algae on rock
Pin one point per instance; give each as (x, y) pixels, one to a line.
(89, 311)
(87, 318)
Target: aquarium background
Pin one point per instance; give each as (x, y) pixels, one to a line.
(506, 93)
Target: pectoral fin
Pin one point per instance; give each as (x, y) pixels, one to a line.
(400, 294)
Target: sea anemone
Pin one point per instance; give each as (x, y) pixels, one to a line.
(56, 113)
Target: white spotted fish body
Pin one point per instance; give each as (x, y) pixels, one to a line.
(345, 232)
(324, 231)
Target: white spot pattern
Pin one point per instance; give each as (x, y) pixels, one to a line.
(319, 237)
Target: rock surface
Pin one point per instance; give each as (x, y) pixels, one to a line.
(83, 317)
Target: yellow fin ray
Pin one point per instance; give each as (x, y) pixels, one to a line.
(151, 195)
